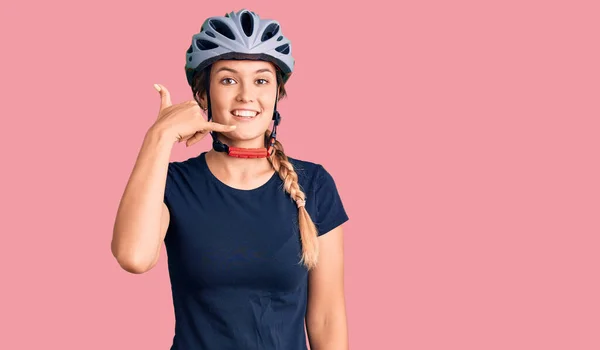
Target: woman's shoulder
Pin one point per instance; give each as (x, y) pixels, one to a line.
(324, 201)
(185, 164)
(305, 167)
(310, 171)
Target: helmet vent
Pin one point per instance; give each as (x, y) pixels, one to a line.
(271, 30)
(211, 34)
(221, 28)
(247, 23)
(284, 49)
(280, 38)
(205, 45)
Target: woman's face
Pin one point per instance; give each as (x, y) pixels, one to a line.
(243, 93)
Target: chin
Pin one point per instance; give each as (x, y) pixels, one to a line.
(246, 136)
(248, 132)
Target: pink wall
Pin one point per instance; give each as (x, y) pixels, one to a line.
(463, 137)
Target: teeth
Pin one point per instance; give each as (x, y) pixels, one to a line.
(247, 114)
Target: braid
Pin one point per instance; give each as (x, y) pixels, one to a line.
(308, 231)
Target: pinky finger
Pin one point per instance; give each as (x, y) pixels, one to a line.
(192, 140)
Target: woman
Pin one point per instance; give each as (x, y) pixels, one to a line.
(253, 237)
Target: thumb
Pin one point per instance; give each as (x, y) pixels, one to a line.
(165, 96)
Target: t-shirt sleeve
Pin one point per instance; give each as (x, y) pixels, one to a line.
(171, 183)
(168, 184)
(330, 212)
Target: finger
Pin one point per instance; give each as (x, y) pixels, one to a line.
(212, 126)
(165, 96)
(185, 138)
(181, 138)
(197, 137)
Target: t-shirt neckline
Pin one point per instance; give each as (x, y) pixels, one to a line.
(223, 185)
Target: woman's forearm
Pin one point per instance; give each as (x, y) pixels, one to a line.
(328, 333)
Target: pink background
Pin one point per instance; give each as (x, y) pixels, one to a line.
(463, 137)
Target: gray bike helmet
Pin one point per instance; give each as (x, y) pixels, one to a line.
(244, 36)
(241, 35)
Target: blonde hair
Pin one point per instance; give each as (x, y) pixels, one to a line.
(308, 230)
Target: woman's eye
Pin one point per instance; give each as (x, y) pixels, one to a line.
(262, 81)
(227, 80)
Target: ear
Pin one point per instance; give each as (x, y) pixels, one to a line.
(203, 103)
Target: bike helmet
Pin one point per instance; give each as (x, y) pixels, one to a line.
(240, 35)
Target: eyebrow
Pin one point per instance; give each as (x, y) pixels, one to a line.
(234, 71)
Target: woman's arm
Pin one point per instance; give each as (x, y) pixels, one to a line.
(142, 217)
(326, 309)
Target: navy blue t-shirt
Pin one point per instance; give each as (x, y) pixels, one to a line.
(233, 257)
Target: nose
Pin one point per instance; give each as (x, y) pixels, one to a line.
(245, 94)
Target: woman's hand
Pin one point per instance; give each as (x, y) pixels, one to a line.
(184, 121)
